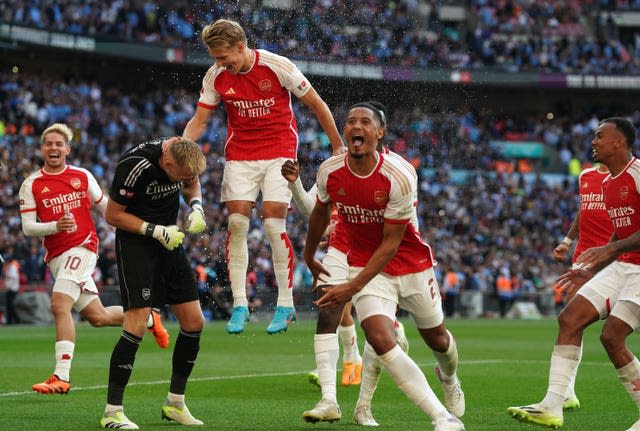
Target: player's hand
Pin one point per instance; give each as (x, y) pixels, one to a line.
(574, 279)
(318, 271)
(66, 223)
(290, 170)
(195, 221)
(169, 236)
(335, 296)
(560, 252)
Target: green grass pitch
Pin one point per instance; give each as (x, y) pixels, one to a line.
(254, 381)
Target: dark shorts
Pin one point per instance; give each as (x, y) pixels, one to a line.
(150, 275)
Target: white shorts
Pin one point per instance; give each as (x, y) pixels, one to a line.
(604, 289)
(416, 293)
(336, 263)
(72, 271)
(242, 180)
(628, 312)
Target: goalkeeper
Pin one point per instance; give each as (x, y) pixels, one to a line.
(152, 265)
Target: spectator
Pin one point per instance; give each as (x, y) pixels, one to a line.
(11, 276)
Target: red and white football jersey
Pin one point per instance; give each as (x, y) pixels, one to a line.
(49, 194)
(594, 226)
(365, 204)
(261, 123)
(339, 237)
(622, 196)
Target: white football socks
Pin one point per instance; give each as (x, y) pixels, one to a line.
(327, 352)
(448, 360)
(410, 380)
(282, 256)
(630, 376)
(564, 361)
(371, 369)
(238, 257)
(349, 340)
(64, 356)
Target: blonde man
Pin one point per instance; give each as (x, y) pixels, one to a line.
(55, 203)
(152, 265)
(255, 87)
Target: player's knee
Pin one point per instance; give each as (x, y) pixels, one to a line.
(609, 340)
(274, 227)
(98, 321)
(238, 224)
(59, 308)
(568, 322)
(437, 339)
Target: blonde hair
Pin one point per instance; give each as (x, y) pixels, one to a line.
(223, 33)
(60, 128)
(188, 154)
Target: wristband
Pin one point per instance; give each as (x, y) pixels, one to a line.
(195, 202)
(567, 241)
(147, 229)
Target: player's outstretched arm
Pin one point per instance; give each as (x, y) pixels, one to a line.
(305, 201)
(318, 222)
(322, 112)
(196, 125)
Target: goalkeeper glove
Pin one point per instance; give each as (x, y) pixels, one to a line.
(195, 221)
(169, 236)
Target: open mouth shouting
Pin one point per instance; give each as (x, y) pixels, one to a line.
(357, 141)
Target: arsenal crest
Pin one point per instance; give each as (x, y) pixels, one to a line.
(380, 197)
(624, 192)
(75, 183)
(265, 85)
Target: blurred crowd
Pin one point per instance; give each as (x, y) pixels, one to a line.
(495, 223)
(569, 36)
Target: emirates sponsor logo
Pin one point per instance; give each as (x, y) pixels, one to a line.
(66, 198)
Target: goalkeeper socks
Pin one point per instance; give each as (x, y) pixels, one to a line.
(282, 256)
(185, 353)
(327, 350)
(64, 355)
(238, 257)
(349, 339)
(371, 369)
(121, 366)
